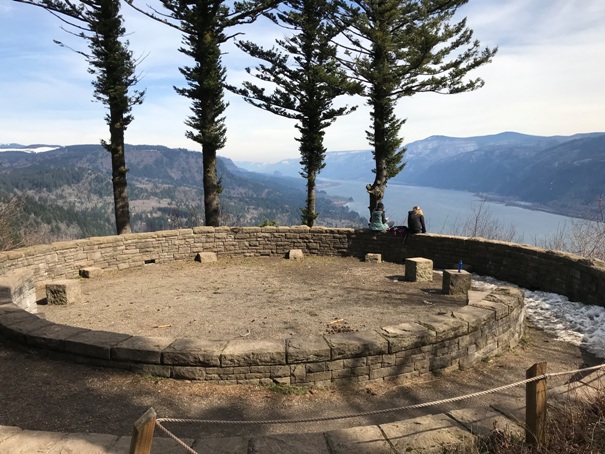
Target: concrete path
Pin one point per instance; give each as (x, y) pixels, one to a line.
(426, 434)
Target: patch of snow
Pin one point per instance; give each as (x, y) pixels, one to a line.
(569, 321)
(40, 149)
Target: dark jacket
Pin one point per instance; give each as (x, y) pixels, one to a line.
(416, 222)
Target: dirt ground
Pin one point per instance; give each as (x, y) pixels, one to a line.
(267, 298)
(256, 298)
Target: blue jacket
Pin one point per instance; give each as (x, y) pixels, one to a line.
(378, 221)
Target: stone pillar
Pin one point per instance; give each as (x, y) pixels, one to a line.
(376, 258)
(90, 272)
(418, 269)
(295, 254)
(456, 282)
(66, 291)
(205, 257)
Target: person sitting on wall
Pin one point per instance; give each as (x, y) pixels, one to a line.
(416, 221)
(379, 221)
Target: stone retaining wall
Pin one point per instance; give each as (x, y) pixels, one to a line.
(490, 324)
(578, 278)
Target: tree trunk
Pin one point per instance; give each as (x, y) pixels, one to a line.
(381, 151)
(310, 213)
(118, 177)
(211, 188)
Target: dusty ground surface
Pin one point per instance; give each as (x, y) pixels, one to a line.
(259, 298)
(44, 394)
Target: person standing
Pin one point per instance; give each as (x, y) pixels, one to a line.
(379, 221)
(416, 221)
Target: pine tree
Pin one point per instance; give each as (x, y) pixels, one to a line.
(398, 48)
(204, 24)
(307, 79)
(100, 23)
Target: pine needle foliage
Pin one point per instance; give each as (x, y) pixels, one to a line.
(206, 25)
(100, 24)
(398, 48)
(306, 78)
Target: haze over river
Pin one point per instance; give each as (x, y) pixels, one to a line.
(445, 209)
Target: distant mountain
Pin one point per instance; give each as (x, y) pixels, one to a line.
(559, 173)
(68, 190)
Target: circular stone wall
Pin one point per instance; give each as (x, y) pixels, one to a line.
(489, 324)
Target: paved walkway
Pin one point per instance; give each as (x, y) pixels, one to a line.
(427, 434)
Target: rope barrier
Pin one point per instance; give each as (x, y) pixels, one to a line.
(159, 421)
(175, 438)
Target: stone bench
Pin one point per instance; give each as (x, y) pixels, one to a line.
(90, 272)
(373, 258)
(295, 254)
(456, 282)
(418, 269)
(206, 257)
(62, 292)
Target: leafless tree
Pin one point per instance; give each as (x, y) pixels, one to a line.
(481, 223)
(585, 237)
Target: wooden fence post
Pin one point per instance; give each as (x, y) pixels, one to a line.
(535, 405)
(142, 433)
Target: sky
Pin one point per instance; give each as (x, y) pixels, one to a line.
(546, 79)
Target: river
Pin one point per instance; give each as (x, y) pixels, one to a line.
(447, 210)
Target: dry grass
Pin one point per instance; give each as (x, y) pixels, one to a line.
(571, 429)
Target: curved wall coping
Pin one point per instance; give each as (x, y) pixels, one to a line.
(488, 325)
(491, 323)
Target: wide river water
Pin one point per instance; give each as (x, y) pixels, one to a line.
(447, 210)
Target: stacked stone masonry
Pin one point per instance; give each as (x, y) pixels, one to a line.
(491, 323)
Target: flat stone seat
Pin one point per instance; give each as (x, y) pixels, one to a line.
(456, 282)
(206, 257)
(65, 291)
(373, 258)
(90, 272)
(295, 254)
(418, 269)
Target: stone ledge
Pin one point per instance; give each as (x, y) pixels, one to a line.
(437, 343)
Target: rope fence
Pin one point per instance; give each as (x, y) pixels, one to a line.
(158, 421)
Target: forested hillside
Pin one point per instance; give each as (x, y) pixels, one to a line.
(67, 193)
(558, 173)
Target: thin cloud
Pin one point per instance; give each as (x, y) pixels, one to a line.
(546, 80)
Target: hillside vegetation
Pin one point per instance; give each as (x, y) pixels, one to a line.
(66, 194)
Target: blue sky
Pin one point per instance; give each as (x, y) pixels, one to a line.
(547, 79)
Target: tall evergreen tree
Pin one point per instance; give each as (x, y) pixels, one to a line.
(204, 24)
(398, 48)
(307, 77)
(100, 23)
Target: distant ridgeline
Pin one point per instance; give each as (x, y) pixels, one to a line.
(67, 191)
(560, 174)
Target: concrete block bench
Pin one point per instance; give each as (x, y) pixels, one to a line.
(65, 291)
(456, 282)
(206, 257)
(90, 272)
(295, 254)
(418, 269)
(373, 258)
